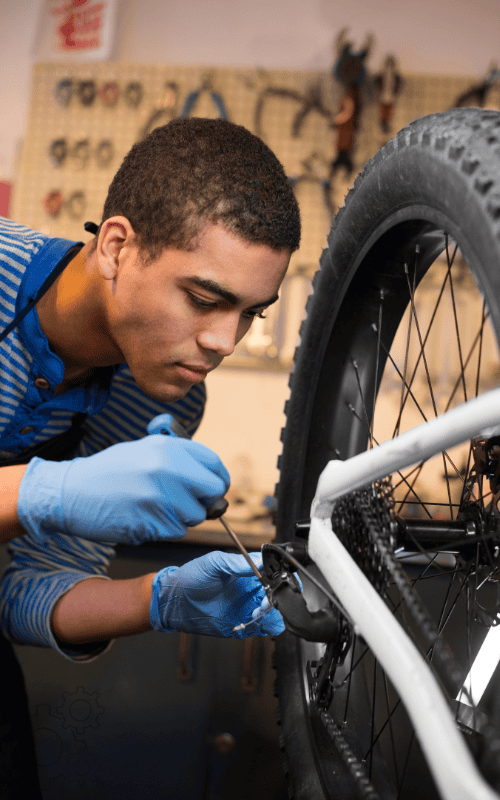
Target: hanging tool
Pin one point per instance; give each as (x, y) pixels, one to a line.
(206, 86)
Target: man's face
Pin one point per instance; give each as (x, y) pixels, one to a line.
(174, 319)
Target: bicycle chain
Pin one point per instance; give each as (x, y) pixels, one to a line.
(351, 761)
(364, 523)
(352, 536)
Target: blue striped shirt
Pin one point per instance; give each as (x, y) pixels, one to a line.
(30, 413)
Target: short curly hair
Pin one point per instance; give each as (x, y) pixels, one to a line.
(193, 171)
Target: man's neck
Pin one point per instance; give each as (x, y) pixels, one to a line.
(72, 316)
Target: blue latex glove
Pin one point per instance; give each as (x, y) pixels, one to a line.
(211, 595)
(148, 490)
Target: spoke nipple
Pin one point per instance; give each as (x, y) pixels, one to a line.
(417, 248)
(406, 269)
(382, 294)
(374, 327)
(355, 364)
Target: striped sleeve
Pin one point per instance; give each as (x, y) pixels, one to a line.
(18, 246)
(37, 576)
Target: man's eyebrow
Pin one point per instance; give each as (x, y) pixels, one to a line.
(215, 288)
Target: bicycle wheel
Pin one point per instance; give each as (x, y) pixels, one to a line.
(403, 323)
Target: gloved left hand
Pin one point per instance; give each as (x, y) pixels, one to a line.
(211, 595)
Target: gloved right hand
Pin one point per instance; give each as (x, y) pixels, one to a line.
(147, 490)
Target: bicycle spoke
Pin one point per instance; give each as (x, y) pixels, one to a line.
(427, 334)
(363, 404)
(375, 382)
(407, 386)
(407, 761)
(477, 339)
(447, 480)
(455, 319)
(424, 359)
(382, 729)
(369, 755)
(415, 472)
(391, 729)
(349, 677)
(458, 596)
(484, 317)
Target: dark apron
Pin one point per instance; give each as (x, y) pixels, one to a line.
(18, 771)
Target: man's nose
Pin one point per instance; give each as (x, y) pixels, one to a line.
(221, 335)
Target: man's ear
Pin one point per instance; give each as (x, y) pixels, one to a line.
(115, 234)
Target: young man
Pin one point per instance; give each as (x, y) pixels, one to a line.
(197, 232)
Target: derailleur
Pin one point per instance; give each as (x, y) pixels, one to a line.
(284, 592)
(486, 455)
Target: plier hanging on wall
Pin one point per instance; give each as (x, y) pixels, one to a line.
(192, 99)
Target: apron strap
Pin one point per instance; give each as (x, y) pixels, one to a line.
(56, 449)
(43, 288)
(60, 446)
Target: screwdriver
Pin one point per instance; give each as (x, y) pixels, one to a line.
(170, 426)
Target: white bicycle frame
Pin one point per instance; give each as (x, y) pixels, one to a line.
(449, 760)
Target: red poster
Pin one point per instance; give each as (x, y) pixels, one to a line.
(79, 24)
(80, 29)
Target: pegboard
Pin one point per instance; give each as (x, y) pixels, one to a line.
(83, 176)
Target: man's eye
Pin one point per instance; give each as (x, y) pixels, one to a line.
(205, 305)
(252, 314)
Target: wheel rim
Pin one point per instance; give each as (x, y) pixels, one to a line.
(359, 362)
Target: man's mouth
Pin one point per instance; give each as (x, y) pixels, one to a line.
(193, 372)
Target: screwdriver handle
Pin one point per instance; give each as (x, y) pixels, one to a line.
(168, 425)
(218, 508)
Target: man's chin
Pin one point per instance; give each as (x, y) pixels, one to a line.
(168, 394)
(163, 392)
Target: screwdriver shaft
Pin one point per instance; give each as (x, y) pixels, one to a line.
(241, 548)
(172, 426)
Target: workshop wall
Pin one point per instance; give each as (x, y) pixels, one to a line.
(180, 41)
(429, 36)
